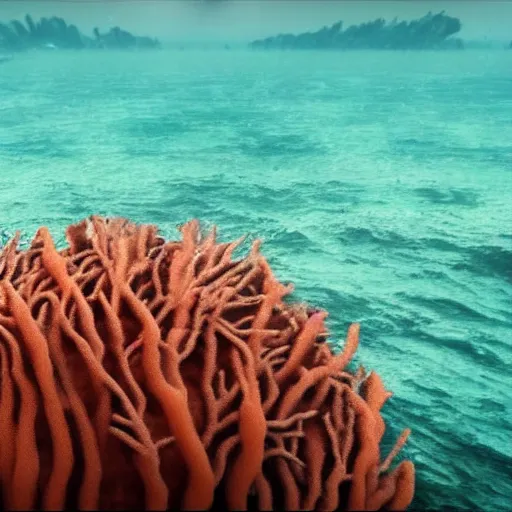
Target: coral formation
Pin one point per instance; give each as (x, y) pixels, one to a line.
(139, 373)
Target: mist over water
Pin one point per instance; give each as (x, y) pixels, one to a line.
(380, 183)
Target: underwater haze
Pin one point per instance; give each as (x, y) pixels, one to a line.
(380, 183)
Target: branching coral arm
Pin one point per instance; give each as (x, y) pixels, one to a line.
(383, 494)
(210, 360)
(292, 495)
(22, 491)
(338, 472)
(88, 498)
(147, 460)
(38, 351)
(368, 454)
(252, 427)
(393, 453)
(222, 454)
(340, 361)
(302, 345)
(375, 395)
(116, 332)
(315, 456)
(404, 474)
(182, 259)
(274, 292)
(8, 256)
(56, 267)
(315, 375)
(6, 425)
(199, 493)
(264, 493)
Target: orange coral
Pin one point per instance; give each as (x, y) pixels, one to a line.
(138, 373)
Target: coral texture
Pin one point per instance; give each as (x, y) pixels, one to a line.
(139, 373)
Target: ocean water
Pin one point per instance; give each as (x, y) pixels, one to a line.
(380, 183)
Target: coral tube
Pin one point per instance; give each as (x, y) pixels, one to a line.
(137, 373)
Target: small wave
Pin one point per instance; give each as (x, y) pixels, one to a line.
(446, 307)
(159, 127)
(493, 458)
(382, 238)
(290, 239)
(414, 143)
(473, 349)
(451, 196)
(439, 244)
(278, 145)
(38, 148)
(421, 148)
(487, 260)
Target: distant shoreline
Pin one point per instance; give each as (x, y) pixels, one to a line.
(433, 32)
(55, 34)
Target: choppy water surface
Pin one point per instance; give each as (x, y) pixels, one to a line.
(381, 184)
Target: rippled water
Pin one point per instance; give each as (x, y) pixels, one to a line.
(381, 184)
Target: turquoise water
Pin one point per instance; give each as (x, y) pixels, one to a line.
(381, 184)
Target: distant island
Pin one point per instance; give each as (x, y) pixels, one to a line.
(433, 31)
(55, 33)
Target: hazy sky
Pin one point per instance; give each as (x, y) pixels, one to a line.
(244, 20)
